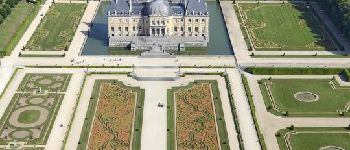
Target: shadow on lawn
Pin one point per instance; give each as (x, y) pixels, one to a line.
(316, 26)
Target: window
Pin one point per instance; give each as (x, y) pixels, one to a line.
(112, 34)
(126, 29)
(189, 20)
(158, 22)
(203, 29)
(112, 28)
(189, 29)
(119, 28)
(133, 28)
(182, 20)
(153, 23)
(203, 20)
(163, 23)
(197, 20)
(140, 28)
(175, 29)
(182, 28)
(196, 29)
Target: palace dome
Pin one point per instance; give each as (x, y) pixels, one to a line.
(159, 8)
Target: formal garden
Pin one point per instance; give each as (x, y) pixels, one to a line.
(114, 117)
(57, 28)
(33, 109)
(284, 27)
(305, 97)
(205, 128)
(313, 138)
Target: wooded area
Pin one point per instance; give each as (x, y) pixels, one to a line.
(339, 11)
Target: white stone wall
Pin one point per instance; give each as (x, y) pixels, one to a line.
(171, 25)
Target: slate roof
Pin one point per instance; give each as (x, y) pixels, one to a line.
(121, 8)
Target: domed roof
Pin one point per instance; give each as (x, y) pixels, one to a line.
(159, 8)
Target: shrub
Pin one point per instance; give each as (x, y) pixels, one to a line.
(1, 1)
(347, 75)
(291, 127)
(295, 71)
(11, 3)
(277, 134)
(7, 8)
(3, 13)
(1, 19)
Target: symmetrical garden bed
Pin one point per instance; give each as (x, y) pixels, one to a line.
(305, 97)
(114, 117)
(57, 28)
(314, 139)
(32, 111)
(195, 117)
(284, 27)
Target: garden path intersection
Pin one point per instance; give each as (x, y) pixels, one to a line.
(156, 76)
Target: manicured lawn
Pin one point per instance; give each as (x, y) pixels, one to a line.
(283, 90)
(284, 26)
(12, 23)
(114, 109)
(57, 29)
(29, 116)
(313, 138)
(197, 131)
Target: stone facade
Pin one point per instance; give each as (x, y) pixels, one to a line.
(128, 21)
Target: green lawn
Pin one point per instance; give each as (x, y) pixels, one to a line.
(14, 21)
(283, 91)
(29, 116)
(284, 26)
(313, 138)
(57, 29)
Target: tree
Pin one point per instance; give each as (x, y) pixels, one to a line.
(11, 3)
(7, 8)
(1, 1)
(3, 12)
(1, 19)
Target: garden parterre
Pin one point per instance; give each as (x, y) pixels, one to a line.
(195, 117)
(114, 117)
(281, 97)
(313, 139)
(57, 28)
(284, 27)
(32, 111)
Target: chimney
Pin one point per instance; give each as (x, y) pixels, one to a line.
(130, 7)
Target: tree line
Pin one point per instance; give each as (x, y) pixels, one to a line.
(339, 11)
(5, 8)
